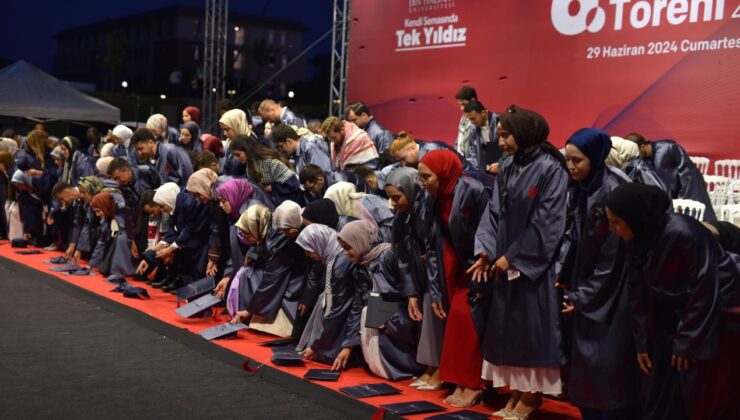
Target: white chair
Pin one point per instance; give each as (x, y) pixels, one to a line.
(690, 208)
(727, 167)
(731, 213)
(701, 163)
(716, 188)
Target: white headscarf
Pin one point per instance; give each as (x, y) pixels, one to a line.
(167, 195)
(236, 120)
(124, 133)
(8, 145)
(287, 215)
(343, 195)
(159, 122)
(623, 151)
(107, 150)
(102, 164)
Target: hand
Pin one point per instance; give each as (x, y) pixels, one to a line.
(307, 353)
(493, 168)
(567, 306)
(76, 257)
(341, 361)
(49, 220)
(165, 252)
(35, 172)
(239, 317)
(501, 266)
(267, 188)
(643, 360)
(302, 310)
(69, 253)
(134, 250)
(680, 363)
(211, 268)
(480, 269)
(2, 167)
(439, 310)
(220, 289)
(26, 237)
(414, 312)
(141, 269)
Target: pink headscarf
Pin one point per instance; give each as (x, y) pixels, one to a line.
(236, 191)
(357, 147)
(362, 236)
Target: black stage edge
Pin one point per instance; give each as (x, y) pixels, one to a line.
(325, 396)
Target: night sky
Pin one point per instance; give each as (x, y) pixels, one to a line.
(29, 26)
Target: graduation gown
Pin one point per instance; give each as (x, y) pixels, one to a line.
(381, 137)
(309, 152)
(643, 172)
(449, 251)
(399, 339)
(189, 228)
(381, 213)
(526, 224)
(289, 117)
(679, 287)
(680, 175)
(481, 152)
(173, 164)
(121, 261)
(80, 166)
(274, 278)
(128, 153)
(602, 342)
(327, 330)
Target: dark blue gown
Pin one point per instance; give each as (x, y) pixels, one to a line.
(189, 228)
(642, 172)
(381, 137)
(173, 164)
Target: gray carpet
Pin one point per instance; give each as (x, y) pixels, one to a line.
(66, 357)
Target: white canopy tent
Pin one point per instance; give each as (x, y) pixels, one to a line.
(26, 91)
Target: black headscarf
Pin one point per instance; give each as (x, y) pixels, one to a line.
(322, 211)
(529, 129)
(643, 208)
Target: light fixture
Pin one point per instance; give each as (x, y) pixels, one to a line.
(291, 94)
(163, 96)
(124, 84)
(236, 29)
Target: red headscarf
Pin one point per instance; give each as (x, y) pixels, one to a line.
(194, 113)
(106, 203)
(446, 165)
(213, 144)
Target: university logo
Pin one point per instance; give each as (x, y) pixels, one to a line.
(416, 6)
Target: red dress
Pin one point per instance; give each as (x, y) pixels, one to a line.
(461, 361)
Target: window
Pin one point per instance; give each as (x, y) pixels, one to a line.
(283, 38)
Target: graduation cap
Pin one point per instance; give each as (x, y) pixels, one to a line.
(412, 407)
(460, 415)
(197, 306)
(115, 279)
(379, 311)
(57, 260)
(65, 267)
(196, 289)
(80, 272)
(322, 375)
(370, 390)
(280, 342)
(29, 252)
(286, 356)
(227, 330)
(130, 291)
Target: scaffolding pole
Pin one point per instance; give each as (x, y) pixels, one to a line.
(339, 58)
(214, 60)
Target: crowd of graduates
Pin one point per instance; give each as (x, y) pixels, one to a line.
(503, 260)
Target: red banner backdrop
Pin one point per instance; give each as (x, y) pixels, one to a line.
(664, 68)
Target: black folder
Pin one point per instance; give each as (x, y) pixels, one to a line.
(379, 311)
(322, 375)
(226, 330)
(460, 415)
(413, 407)
(370, 390)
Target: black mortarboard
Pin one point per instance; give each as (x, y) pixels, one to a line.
(379, 311)
(226, 330)
(286, 356)
(196, 289)
(65, 267)
(57, 260)
(412, 407)
(28, 252)
(370, 390)
(322, 375)
(19, 243)
(197, 306)
(460, 415)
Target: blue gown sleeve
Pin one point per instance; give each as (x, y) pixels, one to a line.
(363, 285)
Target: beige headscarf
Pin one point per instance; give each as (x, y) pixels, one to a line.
(167, 195)
(255, 221)
(287, 215)
(107, 150)
(201, 182)
(8, 145)
(236, 120)
(102, 165)
(344, 196)
(159, 122)
(622, 152)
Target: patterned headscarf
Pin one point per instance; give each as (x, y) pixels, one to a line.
(201, 182)
(287, 215)
(92, 184)
(255, 221)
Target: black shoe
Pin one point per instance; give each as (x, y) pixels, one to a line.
(161, 284)
(172, 287)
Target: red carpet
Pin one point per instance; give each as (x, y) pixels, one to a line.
(162, 307)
